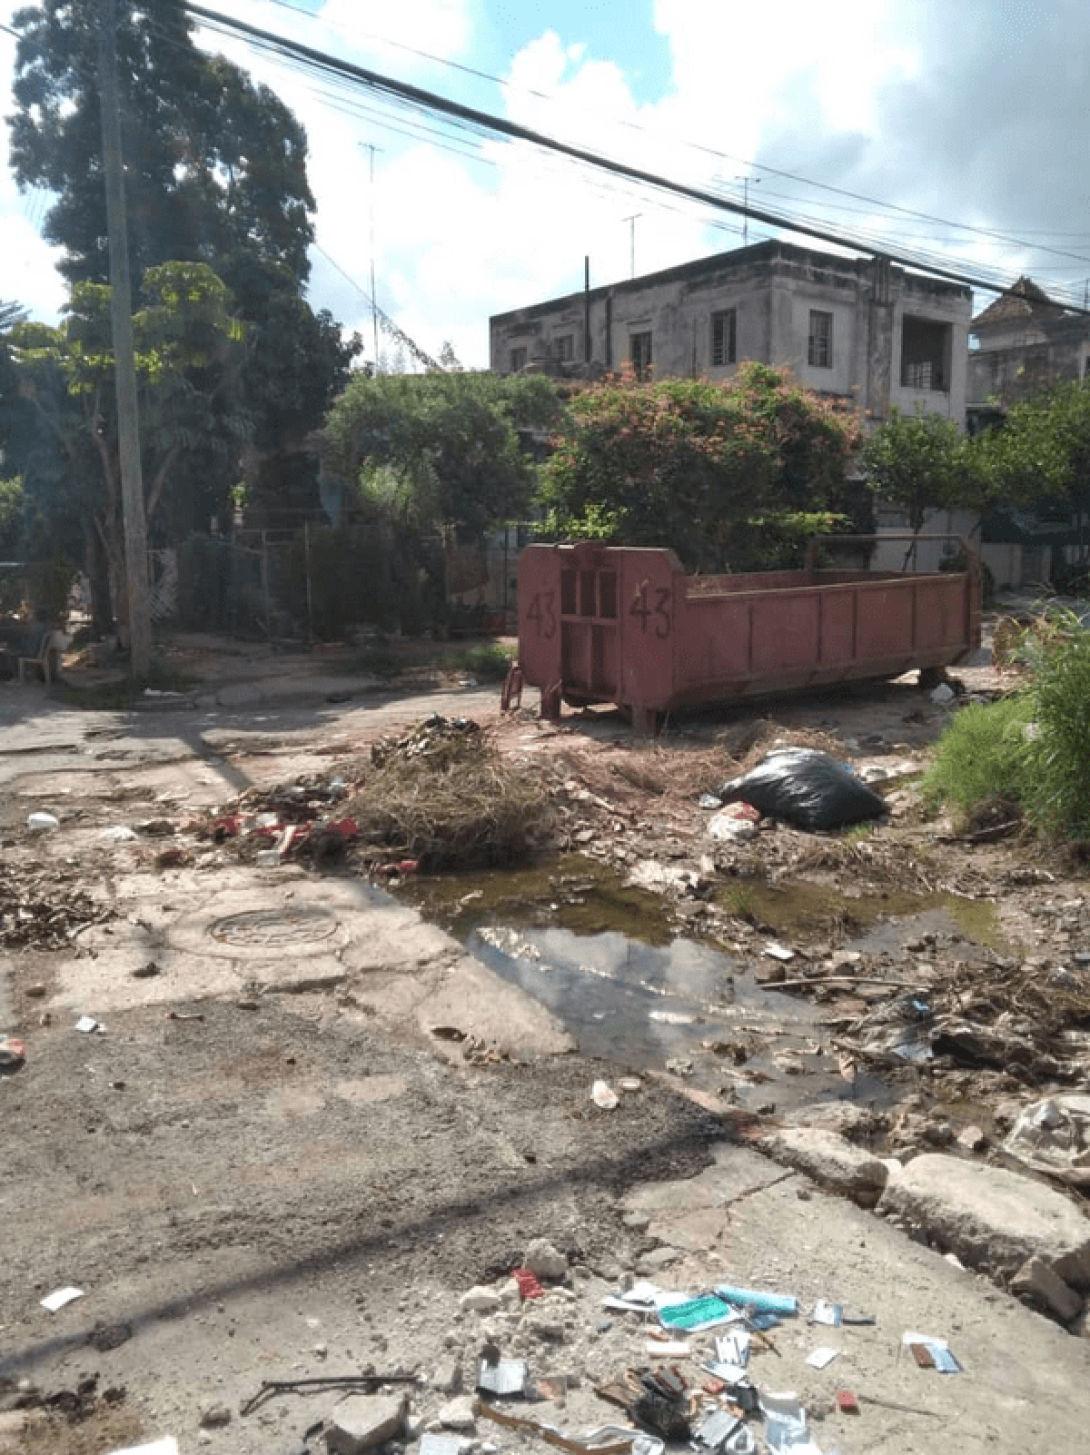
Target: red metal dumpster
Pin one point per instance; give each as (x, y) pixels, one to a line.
(628, 626)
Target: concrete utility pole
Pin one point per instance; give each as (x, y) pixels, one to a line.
(128, 421)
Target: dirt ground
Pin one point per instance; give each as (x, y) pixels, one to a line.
(310, 1122)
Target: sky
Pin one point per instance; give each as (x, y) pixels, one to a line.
(957, 129)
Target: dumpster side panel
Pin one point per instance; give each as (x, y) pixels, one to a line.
(539, 616)
(649, 629)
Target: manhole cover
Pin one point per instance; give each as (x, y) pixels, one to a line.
(270, 928)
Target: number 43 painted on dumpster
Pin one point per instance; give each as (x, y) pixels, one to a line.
(658, 613)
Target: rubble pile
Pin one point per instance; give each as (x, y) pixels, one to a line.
(35, 916)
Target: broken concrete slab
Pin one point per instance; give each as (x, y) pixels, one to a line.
(830, 1160)
(1036, 1281)
(991, 1218)
(360, 1421)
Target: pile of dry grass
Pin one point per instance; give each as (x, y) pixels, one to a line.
(446, 798)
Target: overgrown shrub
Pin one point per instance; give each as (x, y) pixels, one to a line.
(1032, 748)
(1058, 793)
(983, 754)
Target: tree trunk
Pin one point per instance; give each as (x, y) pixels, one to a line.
(98, 576)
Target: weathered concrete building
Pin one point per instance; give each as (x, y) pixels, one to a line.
(1024, 343)
(860, 329)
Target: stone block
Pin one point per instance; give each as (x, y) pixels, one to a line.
(991, 1218)
(360, 1421)
(832, 1162)
(1037, 1281)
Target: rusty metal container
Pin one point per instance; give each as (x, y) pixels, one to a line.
(600, 624)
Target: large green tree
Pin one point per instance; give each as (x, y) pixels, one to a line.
(922, 462)
(730, 475)
(214, 165)
(189, 347)
(443, 450)
(215, 173)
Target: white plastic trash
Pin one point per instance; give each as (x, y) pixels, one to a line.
(41, 822)
(119, 834)
(604, 1096)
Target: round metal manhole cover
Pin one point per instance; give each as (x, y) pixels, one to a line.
(271, 929)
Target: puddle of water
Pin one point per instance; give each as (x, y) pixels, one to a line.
(874, 922)
(604, 959)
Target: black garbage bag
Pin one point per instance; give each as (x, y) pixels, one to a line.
(806, 788)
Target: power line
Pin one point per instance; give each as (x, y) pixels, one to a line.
(992, 234)
(479, 121)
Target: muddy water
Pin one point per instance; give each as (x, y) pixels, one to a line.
(603, 956)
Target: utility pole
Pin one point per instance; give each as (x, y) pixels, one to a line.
(371, 228)
(632, 240)
(745, 207)
(128, 421)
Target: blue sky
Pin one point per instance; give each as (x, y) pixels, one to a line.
(969, 112)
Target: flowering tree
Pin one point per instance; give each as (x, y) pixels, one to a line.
(730, 475)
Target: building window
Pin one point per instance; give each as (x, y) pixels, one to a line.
(518, 360)
(819, 352)
(925, 354)
(564, 346)
(724, 336)
(639, 351)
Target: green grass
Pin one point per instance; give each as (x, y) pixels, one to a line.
(983, 754)
(1031, 749)
(489, 661)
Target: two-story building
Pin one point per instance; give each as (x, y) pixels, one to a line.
(860, 329)
(1024, 343)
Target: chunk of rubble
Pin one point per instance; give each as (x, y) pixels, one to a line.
(833, 1162)
(991, 1218)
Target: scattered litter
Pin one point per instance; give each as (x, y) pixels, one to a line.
(12, 1053)
(827, 1313)
(313, 1384)
(723, 1433)
(668, 1348)
(810, 789)
(119, 834)
(604, 1096)
(693, 1315)
(1053, 1136)
(630, 1083)
(641, 1298)
(757, 1302)
(268, 858)
(775, 951)
(431, 1444)
(709, 801)
(503, 1377)
(931, 1353)
(59, 1297)
(785, 1424)
(87, 1024)
(846, 1402)
(821, 1357)
(529, 1287)
(731, 827)
(166, 1446)
(625, 1442)
(41, 822)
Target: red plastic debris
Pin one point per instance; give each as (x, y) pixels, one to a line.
(741, 810)
(408, 866)
(227, 828)
(345, 828)
(847, 1402)
(527, 1282)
